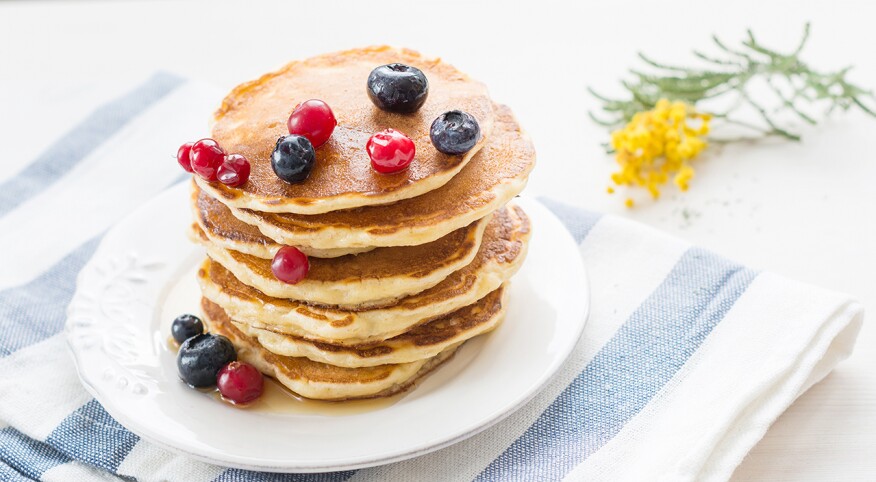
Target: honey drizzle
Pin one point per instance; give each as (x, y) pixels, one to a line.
(277, 399)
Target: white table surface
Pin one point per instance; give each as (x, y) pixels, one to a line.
(806, 210)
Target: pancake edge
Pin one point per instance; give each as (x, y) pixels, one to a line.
(362, 293)
(401, 379)
(406, 353)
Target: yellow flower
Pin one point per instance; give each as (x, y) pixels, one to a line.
(684, 175)
(657, 145)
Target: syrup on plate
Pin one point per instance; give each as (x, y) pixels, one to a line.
(278, 399)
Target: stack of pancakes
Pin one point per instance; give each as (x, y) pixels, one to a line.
(404, 267)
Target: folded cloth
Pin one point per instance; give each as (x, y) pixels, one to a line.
(686, 360)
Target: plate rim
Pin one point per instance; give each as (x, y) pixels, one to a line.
(354, 463)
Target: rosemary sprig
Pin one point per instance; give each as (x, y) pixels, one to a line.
(730, 74)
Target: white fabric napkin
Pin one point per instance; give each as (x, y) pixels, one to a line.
(686, 360)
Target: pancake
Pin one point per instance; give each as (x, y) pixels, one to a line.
(319, 380)
(378, 277)
(225, 230)
(500, 256)
(493, 177)
(253, 116)
(424, 341)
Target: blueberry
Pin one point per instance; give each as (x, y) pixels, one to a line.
(185, 327)
(293, 158)
(455, 132)
(202, 356)
(398, 88)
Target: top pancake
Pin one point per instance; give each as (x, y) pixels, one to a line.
(253, 116)
(493, 177)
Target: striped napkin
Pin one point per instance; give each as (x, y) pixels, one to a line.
(685, 362)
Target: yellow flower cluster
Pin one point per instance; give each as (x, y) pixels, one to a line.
(657, 144)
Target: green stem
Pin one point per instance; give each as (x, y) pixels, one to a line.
(733, 140)
(863, 107)
(603, 123)
(658, 65)
(803, 40)
(787, 102)
(740, 123)
(716, 61)
(775, 128)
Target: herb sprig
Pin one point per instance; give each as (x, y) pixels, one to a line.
(792, 82)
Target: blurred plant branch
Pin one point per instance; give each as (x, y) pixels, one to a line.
(792, 82)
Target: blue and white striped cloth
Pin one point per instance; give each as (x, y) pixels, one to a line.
(685, 362)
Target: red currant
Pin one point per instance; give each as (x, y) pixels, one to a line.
(240, 382)
(182, 156)
(206, 156)
(234, 171)
(290, 265)
(314, 120)
(390, 151)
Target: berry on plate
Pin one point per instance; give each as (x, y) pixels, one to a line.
(290, 265)
(455, 132)
(234, 170)
(314, 120)
(202, 356)
(185, 327)
(398, 88)
(240, 382)
(206, 156)
(293, 158)
(390, 151)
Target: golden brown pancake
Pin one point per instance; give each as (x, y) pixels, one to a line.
(501, 254)
(491, 179)
(319, 380)
(253, 116)
(225, 230)
(424, 341)
(378, 277)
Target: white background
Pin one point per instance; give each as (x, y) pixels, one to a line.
(805, 210)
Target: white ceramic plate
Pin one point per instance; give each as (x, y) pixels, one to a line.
(142, 276)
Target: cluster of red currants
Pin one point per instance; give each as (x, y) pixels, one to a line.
(208, 160)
